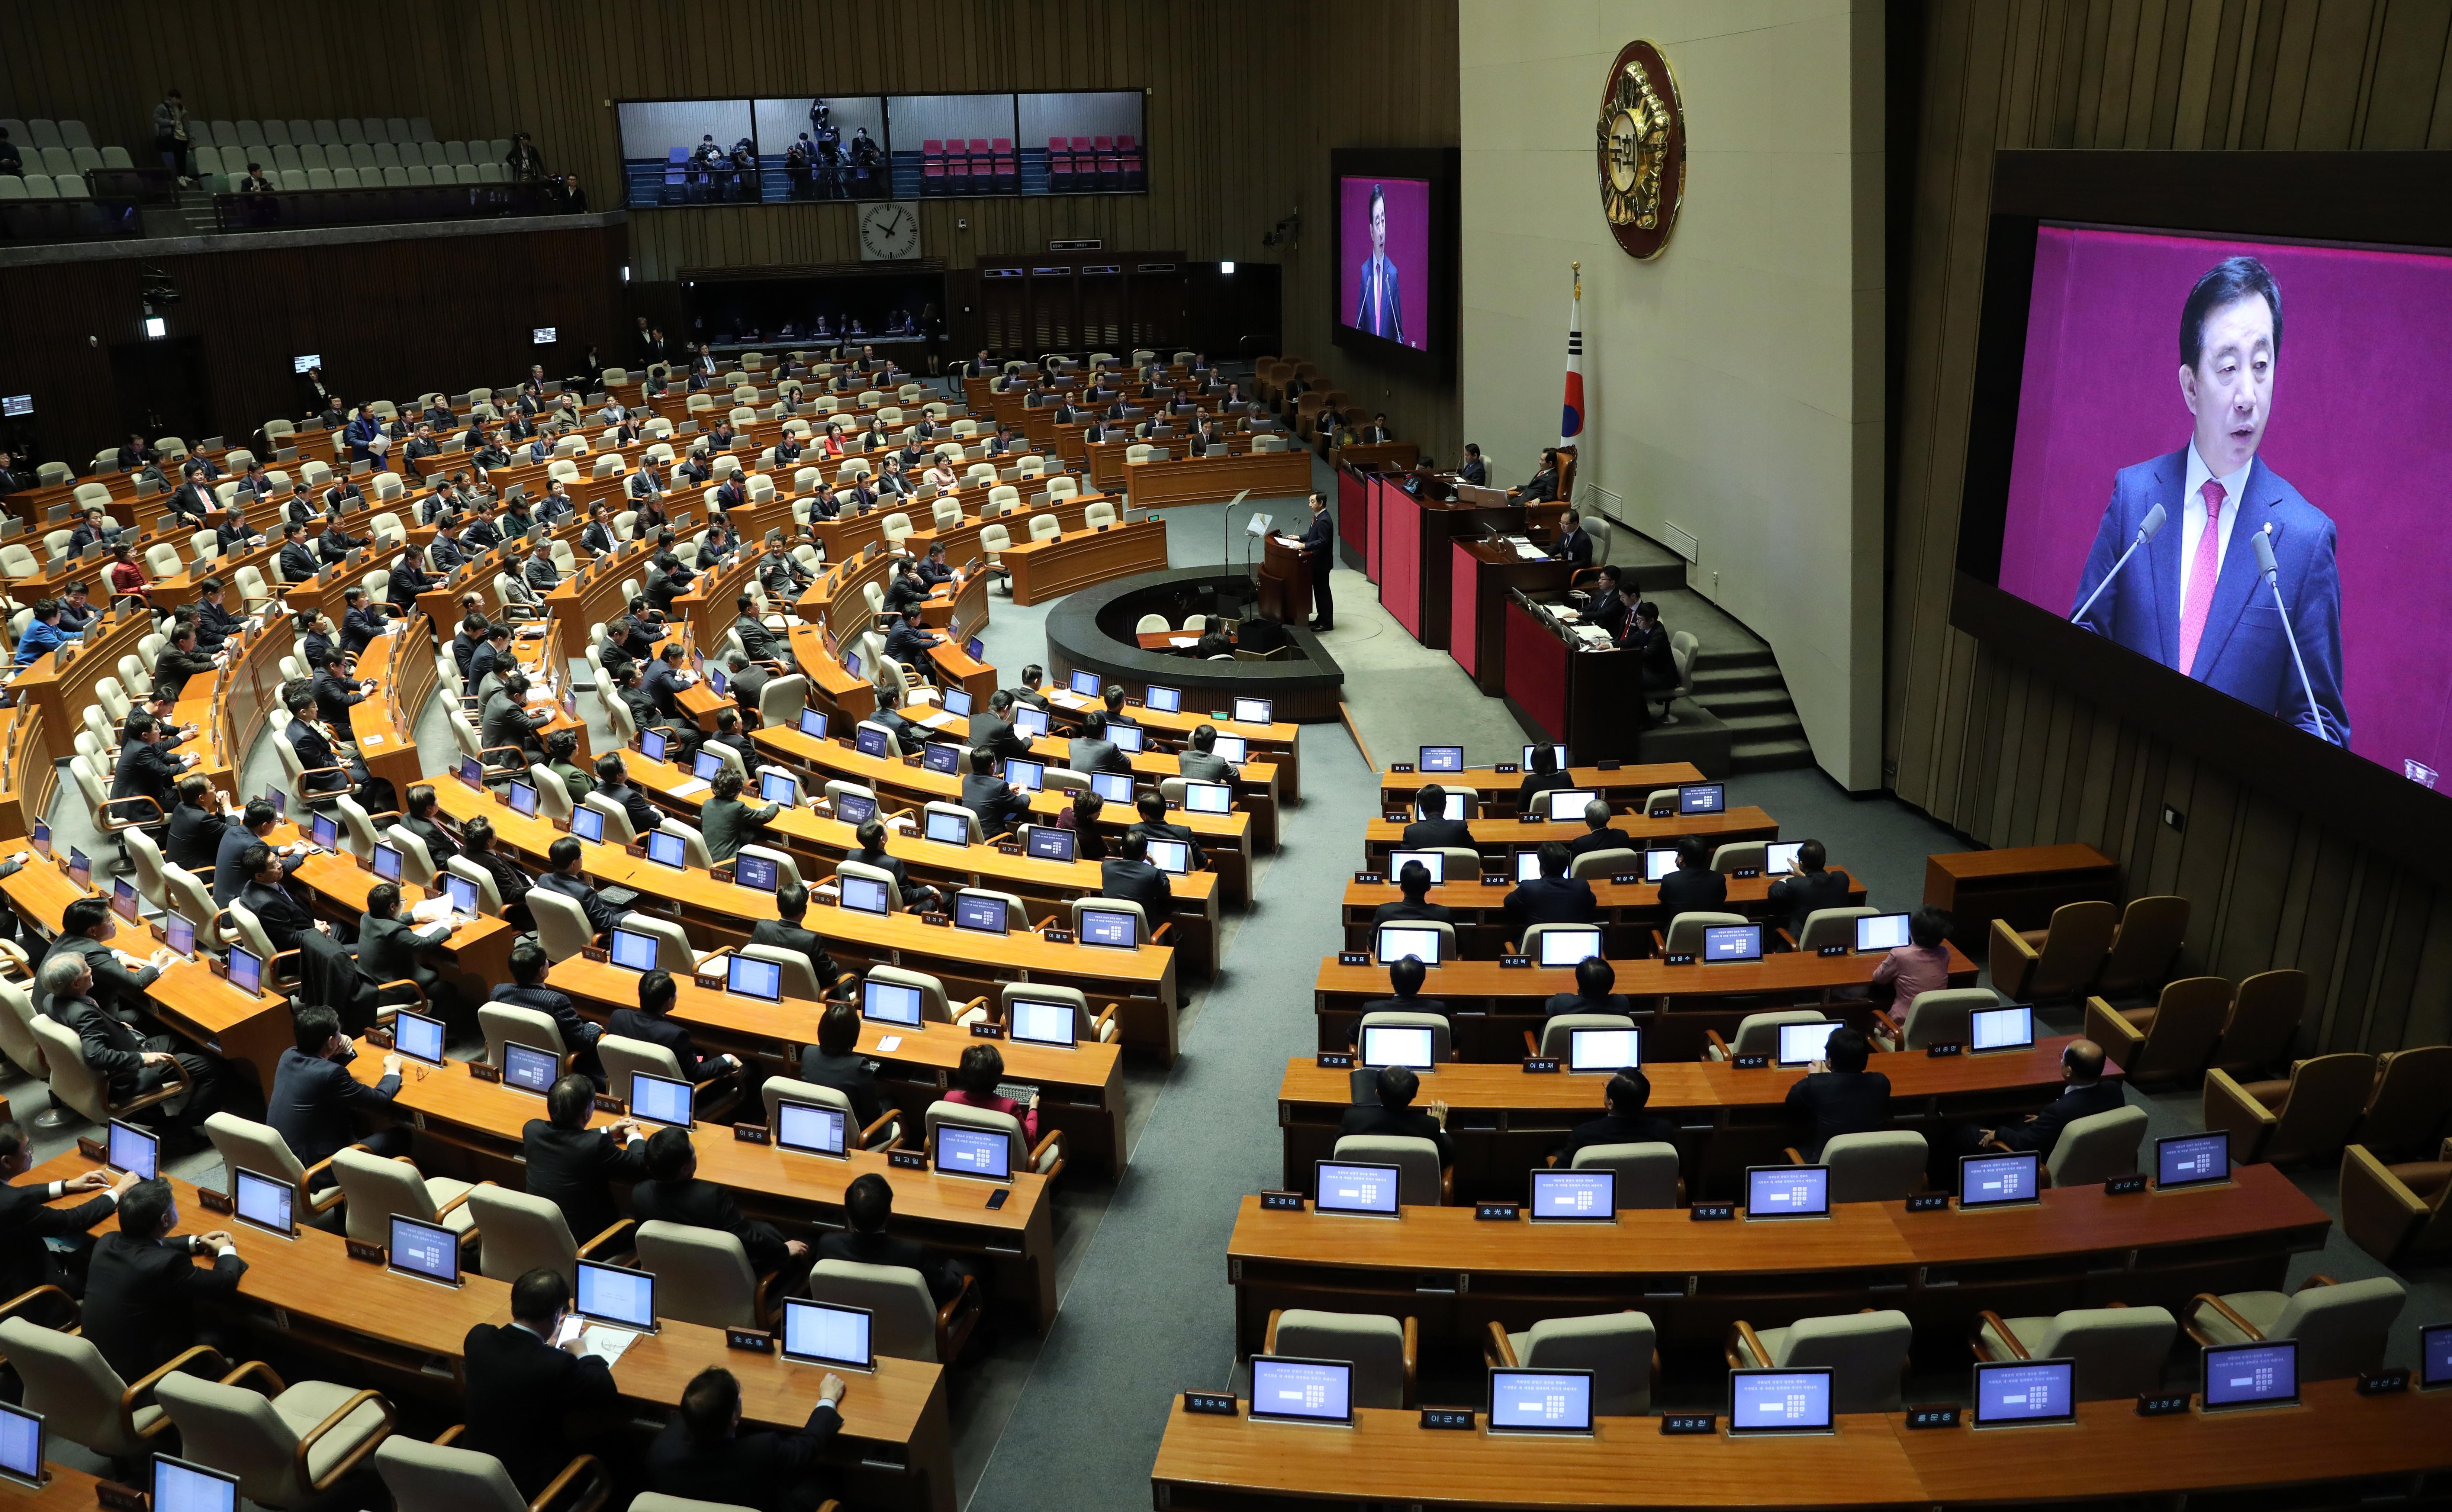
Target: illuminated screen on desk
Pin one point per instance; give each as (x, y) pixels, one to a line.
(1026, 777)
(652, 745)
(1880, 931)
(863, 895)
(1255, 711)
(775, 788)
(1290, 1390)
(178, 1486)
(981, 1152)
(1046, 842)
(1803, 1044)
(1656, 864)
(264, 1201)
(1165, 700)
(1208, 797)
(2435, 1356)
(1779, 1401)
(664, 848)
(942, 758)
(1357, 1190)
(977, 650)
(246, 972)
(1527, 865)
(2000, 1181)
(889, 1002)
(979, 910)
(418, 1038)
(524, 800)
(1603, 1049)
(1036, 1022)
(1029, 721)
(631, 949)
(21, 1446)
(1540, 1401)
(949, 829)
(661, 1099)
(756, 871)
(1084, 684)
(1434, 862)
(1702, 798)
(123, 900)
(2023, 1393)
(1439, 759)
(133, 1150)
(2191, 1160)
(707, 766)
(426, 1250)
(1396, 1044)
(463, 894)
(388, 863)
(1116, 787)
(809, 1127)
(323, 831)
(820, 1333)
(612, 1295)
(530, 1068)
(1174, 857)
(1231, 749)
(851, 663)
(1780, 855)
(2251, 1375)
(472, 771)
(587, 823)
(1397, 941)
(1787, 1191)
(1996, 1029)
(749, 976)
(958, 703)
(1566, 947)
(1732, 942)
(1126, 736)
(1574, 1196)
(854, 808)
(180, 935)
(1557, 751)
(1567, 803)
(813, 724)
(869, 740)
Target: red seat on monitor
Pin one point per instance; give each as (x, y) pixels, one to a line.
(1059, 164)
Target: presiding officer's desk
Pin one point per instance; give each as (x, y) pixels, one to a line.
(472, 1130)
(2334, 1448)
(1628, 911)
(1505, 1123)
(1493, 1006)
(2078, 1248)
(404, 1336)
(1499, 839)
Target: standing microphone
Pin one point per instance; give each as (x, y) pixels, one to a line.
(2145, 529)
(2263, 540)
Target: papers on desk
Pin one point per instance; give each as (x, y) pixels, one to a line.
(433, 910)
(605, 1344)
(1183, 640)
(529, 632)
(371, 741)
(889, 1044)
(691, 788)
(1525, 550)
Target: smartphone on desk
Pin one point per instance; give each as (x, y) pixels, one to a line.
(995, 1198)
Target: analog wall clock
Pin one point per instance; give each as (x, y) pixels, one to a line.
(889, 232)
(1640, 143)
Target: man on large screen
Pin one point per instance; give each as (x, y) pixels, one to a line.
(1381, 309)
(2193, 598)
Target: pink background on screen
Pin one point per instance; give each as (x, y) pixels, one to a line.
(2359, 428)
(1409, 247)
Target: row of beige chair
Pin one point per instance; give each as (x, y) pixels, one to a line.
(2400, 1212)
(2090, 946)
(2199, 1021)
(2398, 1101)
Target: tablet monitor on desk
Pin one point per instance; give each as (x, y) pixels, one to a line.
(1787, 1191)
(388, 862)
(942, 758)
(863, 895)
(869, 740)
(123, 900)
(1527, 865)
(2250, 1375)
(1084, 684)
(1732, 942)
(976, 649)
(1606, 1051)
(264, 1202)
(778, 787)
(2000, 1028)
(324, 831)
(418, 1038)
(1231, 749)
(178, 1486)
(1045, 842)
(820, 1333)
(587, 823)
(1451, 806)
(2026, 1393)
(750, 976)
(1436, 862)
(756, 872)
(652, 744)
(1039, 1022)
(707, 766)
(811, 1129)
(615, 1294)
(1558, 750)
(530, 1068)
(1569, 946)
(79, 867)
(246, 972)
(1397, 941)
(1880, 931)
(41, 838)
(1702, 798)
(986, 1154)
(1658, 863)
(523, 799)
(1779, 858)
(1540, 1401)
(1439, 759)
(1567, 803)
(1999, 1181)
(1288, 1390)
(1208, 797)
(1115, 928)
(2182, 1160)
(1255, 711)
(1127, 738)
(854, 808)
(631, 949)
(1574, 1196)
(1803, 1044)
(463, 894)
(1025, 777)
(1779, 1401)
(180, 935)
(661, 1099)
(664, 848)
(890, 1003)
(957, 703)
(1165, 700)
(982, 911)
(21, 1447)
(428, 1251)
(1030, 721)
(949, 829)
(851, 663)
(813, 724)
(1116, 787)
(2435, 1356)
(1354, 1189)
(131, 1149)
(1398, 1045)
(1174, 857)
(472, 771)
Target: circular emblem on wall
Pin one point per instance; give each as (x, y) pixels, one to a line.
(1640, 141)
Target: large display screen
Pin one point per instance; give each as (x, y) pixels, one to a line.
(1384, 282)
(2223, 463)
(782, 150)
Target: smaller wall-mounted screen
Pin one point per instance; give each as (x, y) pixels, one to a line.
(678, 152)
(1086, 142)
(1384, 284)
(821, 147)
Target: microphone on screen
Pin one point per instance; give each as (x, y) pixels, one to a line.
(2262, 542)
(2146, 529)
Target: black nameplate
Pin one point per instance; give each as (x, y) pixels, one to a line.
(1056, 936)
(1461, 1419)
(92, 1150)
(1678, 958)
(1751, 1063)
(1674, 1423)
(749, 1341)
(1369, 878)
(1712, 1212)
(1537, 1065)
(1400, 766)
(940, 920)
(1532, 816)
(1281, 1202)
(213, 1202)
(1663, 814)
(1611, 765)
(1516, 963)
(610, 1104)
(1831, 949)
(1353, 957)
(1626, 879)
(1395, 815)
(987, 1032)
(1216, 1403)
(2124, 1185)
(485, 1072)
(594, 952)
(118, 1497)
(1008, 847)
(1508, 769)
(1336, 1060)
(907, 1159)
(1496, 879)
(1747, 871)
(359, 1249)
(2383, 1383)
(1930, 1202)
(1933, 1417)
(1943, 1051)
(2162, 1404)
(1496, 1212)
(750, 1134)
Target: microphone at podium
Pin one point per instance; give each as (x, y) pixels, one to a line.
(2262, 542)
(2146, 529)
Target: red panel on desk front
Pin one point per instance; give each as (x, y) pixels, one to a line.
(1536, 670)
(1400, 556)
(1354, 519)
(1463, 581)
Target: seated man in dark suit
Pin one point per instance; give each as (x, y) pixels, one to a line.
(1201, 759)
(1838, 1094)
(527, 989)
(613, 781)
(672, 1193)
(1694, 887)
(651, 1022)
(1553, 897)
(26, 1221)
(992, 730)
(143, 1289)
(565, 879)
(1128, 874)
(834, 1061)
(997, 803)
(1154, 825)
(392, 949)
(1415, 882)
(1625, 1123)
(868, 1207)
(703, 1454)
(1394, 1113)
(1091, 751)
(1405, 977)
(314, 1098)
(1599, 834)
(1808, 887)
(1433, 830)
(528, 1383)
(1595, 979)
(284, 917)
(574, 1167)
(784, 933)
(2084, 1094)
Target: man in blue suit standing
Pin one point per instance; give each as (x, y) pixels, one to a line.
(2194, 598)
(1381, 310)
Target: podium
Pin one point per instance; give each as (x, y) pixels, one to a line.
(1285, 582)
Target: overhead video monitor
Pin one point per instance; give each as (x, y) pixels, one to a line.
(811, 1129)
(1116, 787)
(2026, 1393)
(1732, 942)
(617, 1295)
(1394, 942)
(2001, 1029)
(986, 1154)
(1880, 931)
(688, 153)
(2191, 1160)
(1386, 283)
(1803, 1044)
(2250, 1375)
(1702, 798)
(530, 1068)
(821, 147)
(418, 1038)
(982, 911)
(1573, 1196)
(889, 1002)
(1569, 946)
(1046, 842)
(820, 1333)
(1398, 1045)
(1567, 804)
(1439, 759)
(1039, 1022)
(2000, 1181)
(131, 1149)
(1290, 1390)
(1605, 1050)
(1354, 1189)
(1164, 700)
(1766, 1402)
(263, 1202)
(1787, 1191)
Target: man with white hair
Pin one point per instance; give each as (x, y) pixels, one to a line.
(131, 1063)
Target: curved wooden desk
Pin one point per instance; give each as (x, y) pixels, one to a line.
(1498, 839)
(1625, 787)
(1214, 480)
(1060, 564)
(1628, 911)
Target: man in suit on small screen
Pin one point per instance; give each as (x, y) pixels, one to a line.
(2194, 598)
(1381, 309)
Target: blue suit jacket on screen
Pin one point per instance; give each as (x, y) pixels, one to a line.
(1389, 322)
(2244, 650)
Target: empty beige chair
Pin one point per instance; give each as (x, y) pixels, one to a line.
(1090, 1028)
(2309, 1114)
(1647, 1174)
(1739, 856)
(1420, 1182)
(904, 1322)
(378, 1188)
(2118, 1350)
(2410, 1108)
(887, 1130)
(2097, 1147)
(2402, 1213)
(2265, 1016)
(2341, 1327)
(2169, 1041)
(1885, 1165)
(1557, 1033)
(524, 1233)
(703, 1277)
(1757, 1034)
(1151, 624)
(1461, 861)
(297, 1443)
(1685, 932)
(2151, 931)
(245, 1145)
(438, 1477)
(1616, 861)
(1382, 1349)
(1621, 1350)
(1436, 1022)
(562, 924)
(82, 1399)
(1938, 1017)
(623, 1057)
(935, 1006)
(1867, 1351)
(2061, 961)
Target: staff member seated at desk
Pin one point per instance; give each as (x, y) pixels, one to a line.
(868, 1206)
(998, 805)
(784, 933)
(1808, 886)
(143, 1289)
(672, 1193)
(1599, 835)
(285, 919)
(564, 855)
(1091, 751)
(1838, 1095)
(525, 1390)
(834, 1061)
(702, 1455)
(314, 1096)
(391, 949)
(974, 1082)
(26, 1221)
(1922, 965)
(572, 1165)
(1433, 830)
(649, 1021)
(917, 897)
(1692, 885)
(43, 634)
(1394, 1115)
(1574, 543)
(1415, 882)
(2084, 1094)
(1625, 1123)
(1553, 897)
(1154, 825)
(1202, 762)
(1593, 979)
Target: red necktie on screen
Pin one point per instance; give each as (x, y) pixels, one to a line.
(2199, 596)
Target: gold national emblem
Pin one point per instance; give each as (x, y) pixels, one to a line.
(1640, 140)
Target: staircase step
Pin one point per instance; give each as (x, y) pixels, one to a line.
(1770, 756)
(1732, 706)
(1777, 723)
